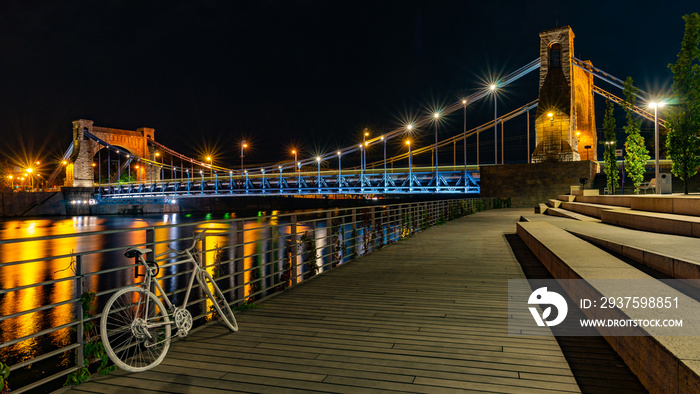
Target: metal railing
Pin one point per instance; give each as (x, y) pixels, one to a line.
(251, 259)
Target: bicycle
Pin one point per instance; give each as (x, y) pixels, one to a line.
(135, 327)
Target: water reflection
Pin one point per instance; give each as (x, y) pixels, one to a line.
(262, 244)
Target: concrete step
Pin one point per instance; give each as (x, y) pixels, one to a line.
(662, 363)
(563, 213)
(554, 203)
(541, 208)
(664, 223)
(676, 204)
(588, 208)
(673, 255)
(615, 200)
(566, 197)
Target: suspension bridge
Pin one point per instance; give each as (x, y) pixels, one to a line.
(564, 110)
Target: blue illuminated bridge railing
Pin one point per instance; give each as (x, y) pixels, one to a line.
(400, 181)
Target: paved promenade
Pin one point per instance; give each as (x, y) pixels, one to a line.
(425, 315)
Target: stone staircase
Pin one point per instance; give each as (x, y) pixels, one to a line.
(627, 237)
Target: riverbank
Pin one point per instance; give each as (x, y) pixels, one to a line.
(81, 201)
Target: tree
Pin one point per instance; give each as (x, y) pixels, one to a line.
(683, 123)
(636, 154)
(612, 176)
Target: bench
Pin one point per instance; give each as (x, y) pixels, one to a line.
(648, 185)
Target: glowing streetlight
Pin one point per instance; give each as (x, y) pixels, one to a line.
(410, 169)
(493, 87)
(211, 163)
(656, 105)
(244, 145)
(464, 141)
(12, 181)
(436, 116)
(29, 175)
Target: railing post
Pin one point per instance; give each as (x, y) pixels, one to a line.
(151, 244)
(239, 258)
(295, 250)
(354, 234)
(80, 357)
(330, 245)
(314, 229)
(371, 229)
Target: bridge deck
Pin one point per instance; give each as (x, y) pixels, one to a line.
(425, 315)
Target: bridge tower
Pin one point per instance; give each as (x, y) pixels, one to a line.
(565, 120)
(79, 170)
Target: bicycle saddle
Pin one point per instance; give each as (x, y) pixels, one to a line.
(136, 252)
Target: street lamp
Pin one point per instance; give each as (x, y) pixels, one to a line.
(12, 182)
(211, 169)
(243, 146)
(340, 172)
(464, 103)
(656, 105)
(493, 87)
(318, 178)
(410, 170)
(29, 175)
(436, 116)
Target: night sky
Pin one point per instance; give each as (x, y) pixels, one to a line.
(313, 74)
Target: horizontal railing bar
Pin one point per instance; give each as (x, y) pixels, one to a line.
(38, 334)
(44, 356)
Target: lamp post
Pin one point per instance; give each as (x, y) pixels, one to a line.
(410, 170)
(12, 182)
(656, 106)
(364, 142)
(385, 180)
(340, 172)
(495, 124)
(362, 168)
(436, 116)
(211, 170)
(464, 103)
(31, 180)
(318, 176)
(243, 146)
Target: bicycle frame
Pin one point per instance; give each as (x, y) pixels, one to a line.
(150, 279)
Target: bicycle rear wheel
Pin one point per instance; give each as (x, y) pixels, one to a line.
(218, 299)
(135, 329)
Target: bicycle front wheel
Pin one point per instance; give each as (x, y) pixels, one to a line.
(135, 329)
(218, 299)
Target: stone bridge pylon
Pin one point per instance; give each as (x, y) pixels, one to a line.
(565, 122)
(79, 168)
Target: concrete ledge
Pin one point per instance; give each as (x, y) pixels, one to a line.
(566, 197)
(665, 223)
(554, 203)
(585, 192)
(662, 364)
(675, 267)
(563, 213)
(586, 208)
(618, 201)
(680, 205)
(541, 208)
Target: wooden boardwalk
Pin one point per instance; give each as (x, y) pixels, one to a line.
(426, 315)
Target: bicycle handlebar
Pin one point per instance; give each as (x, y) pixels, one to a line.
(195, 238)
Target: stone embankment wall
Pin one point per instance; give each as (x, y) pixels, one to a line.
(531, 184)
